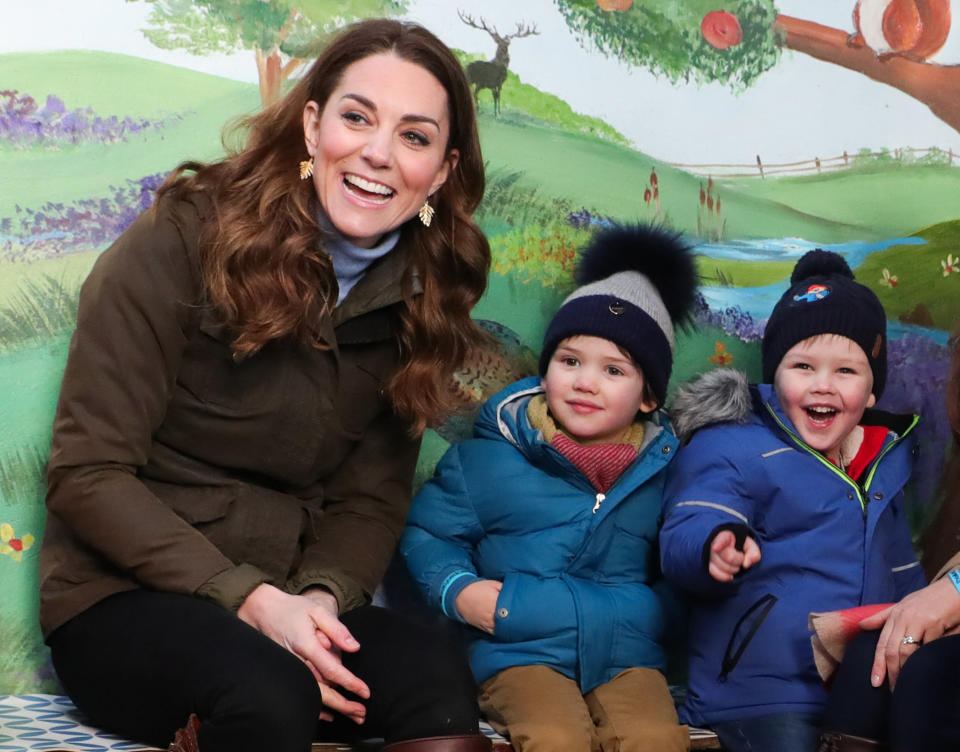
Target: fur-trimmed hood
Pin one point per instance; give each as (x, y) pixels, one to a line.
(718, 396)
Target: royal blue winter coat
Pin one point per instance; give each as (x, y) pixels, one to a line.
(826, 543)
(577, 566)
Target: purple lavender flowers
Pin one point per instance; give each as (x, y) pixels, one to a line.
(24, 124)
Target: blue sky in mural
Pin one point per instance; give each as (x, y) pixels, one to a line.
(801, 109)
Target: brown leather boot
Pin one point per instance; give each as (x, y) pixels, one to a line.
(832, 741)
(463, 743)
(185, 740)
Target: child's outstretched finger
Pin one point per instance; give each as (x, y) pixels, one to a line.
(751, 553)
(723, 543)
(725, 559)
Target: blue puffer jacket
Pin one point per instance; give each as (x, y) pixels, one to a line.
(576, 566)
(826, 543)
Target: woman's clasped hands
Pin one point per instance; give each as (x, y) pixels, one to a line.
(308, 626)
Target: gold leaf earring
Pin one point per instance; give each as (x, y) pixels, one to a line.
(306, 168)
(426, 213)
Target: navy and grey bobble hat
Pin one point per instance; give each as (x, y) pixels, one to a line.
(637, 282)
(824, 298)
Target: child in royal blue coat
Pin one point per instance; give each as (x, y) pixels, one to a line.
(787, 499)
(540, 533)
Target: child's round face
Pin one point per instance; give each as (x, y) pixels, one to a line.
(824, 384)
(594, 391)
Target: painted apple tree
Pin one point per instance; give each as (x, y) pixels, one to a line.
(281, 33)
(734, 41)
(682, 40)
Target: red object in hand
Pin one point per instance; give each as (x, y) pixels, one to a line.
(833, 630)
(721, 29)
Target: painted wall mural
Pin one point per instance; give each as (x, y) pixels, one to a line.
(761, 128)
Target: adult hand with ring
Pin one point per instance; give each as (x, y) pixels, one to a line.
(920, 617)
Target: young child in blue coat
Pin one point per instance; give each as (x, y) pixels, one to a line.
(540, 533)
(787, 500)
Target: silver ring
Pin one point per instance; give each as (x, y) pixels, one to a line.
(909, 640)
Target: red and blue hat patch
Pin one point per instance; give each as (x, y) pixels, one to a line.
(814, 293)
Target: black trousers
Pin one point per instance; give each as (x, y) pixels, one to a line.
(139, 663)
(922, 713)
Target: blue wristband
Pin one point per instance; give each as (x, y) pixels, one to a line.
(954, 575)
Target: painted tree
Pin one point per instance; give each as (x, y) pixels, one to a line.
(734, 41)
(665, 36)
(281, 33)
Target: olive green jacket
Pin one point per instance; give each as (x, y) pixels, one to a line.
(175, 468)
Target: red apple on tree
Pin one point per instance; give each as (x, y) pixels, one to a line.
(721, 29)
(614, 4)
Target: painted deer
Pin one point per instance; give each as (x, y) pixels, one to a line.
(490, 74)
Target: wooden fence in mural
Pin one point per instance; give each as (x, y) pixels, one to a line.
(905, 155)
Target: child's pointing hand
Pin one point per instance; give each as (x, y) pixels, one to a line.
(726, 560)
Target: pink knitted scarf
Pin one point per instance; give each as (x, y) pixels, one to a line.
(601, 463)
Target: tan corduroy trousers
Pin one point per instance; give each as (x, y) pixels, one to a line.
(541, 710)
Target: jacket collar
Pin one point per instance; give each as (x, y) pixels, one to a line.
(725, 396)
(380, 287)
(504, 417)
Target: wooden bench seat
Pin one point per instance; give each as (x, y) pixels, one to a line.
(51, 723)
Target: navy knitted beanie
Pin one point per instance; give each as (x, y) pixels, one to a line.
(824, 298)
(637, 282)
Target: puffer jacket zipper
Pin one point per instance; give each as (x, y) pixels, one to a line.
(862, 493)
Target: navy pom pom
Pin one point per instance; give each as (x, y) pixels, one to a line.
(820, 263)
(659, 254)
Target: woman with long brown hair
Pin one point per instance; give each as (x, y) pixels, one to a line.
(254, 362)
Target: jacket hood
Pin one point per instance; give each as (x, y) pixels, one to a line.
(502, 417)
(718, 396)
(725, 396)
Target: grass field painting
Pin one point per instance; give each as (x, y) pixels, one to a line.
(86, 136)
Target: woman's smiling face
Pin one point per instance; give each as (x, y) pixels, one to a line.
(379, 146)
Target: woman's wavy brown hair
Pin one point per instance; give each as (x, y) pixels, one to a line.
(264, 271)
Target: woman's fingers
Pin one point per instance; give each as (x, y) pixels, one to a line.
(923, 616)
(327, 664)
(880, 656)
(332, 632)
(876, 621)
(896, 659)
(899, 639)
(335, 701)
(308, 626)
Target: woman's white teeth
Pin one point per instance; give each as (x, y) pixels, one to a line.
(368, 186)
